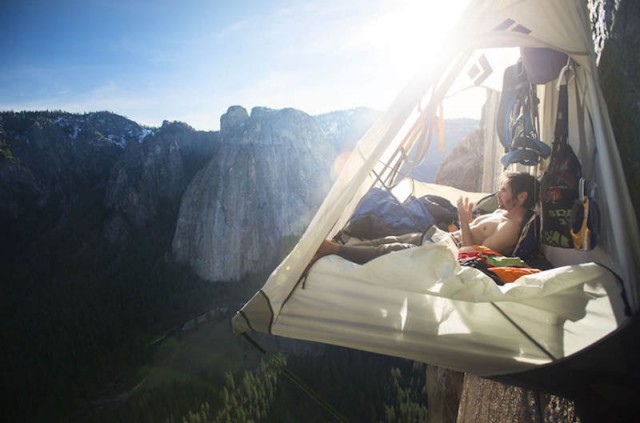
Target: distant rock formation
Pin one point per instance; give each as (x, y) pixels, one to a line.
(54, 167)
(234, 118)
(344, 128)
(455, 131)
(153, 174)
(462, 168)
(264, 183)
(99, 181)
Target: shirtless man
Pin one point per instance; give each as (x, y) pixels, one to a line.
(499, 230)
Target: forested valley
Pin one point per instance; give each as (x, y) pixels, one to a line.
(155, 345)
(101, 324)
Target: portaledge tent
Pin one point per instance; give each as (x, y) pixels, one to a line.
(419, 303)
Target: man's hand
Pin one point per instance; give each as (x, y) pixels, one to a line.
(465, 210)
(465, 216)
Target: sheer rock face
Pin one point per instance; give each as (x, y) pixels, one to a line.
(52, 166)
(235, 117)
(616, 33)
(102, 177)
(264, 183)
(344, 128)
(463, 166)
(153, 174)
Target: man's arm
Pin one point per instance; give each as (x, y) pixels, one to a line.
(465, 216)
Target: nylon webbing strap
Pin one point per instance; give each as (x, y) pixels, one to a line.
(525, 231)
(299, 383)
(525, 333)
(561, 132)
(582, 142)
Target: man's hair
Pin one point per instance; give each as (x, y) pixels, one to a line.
(523, 182)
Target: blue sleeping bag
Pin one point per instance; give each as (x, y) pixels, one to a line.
(380, 214)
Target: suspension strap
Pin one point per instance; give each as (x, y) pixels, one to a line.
(335, 414)
(525, 333)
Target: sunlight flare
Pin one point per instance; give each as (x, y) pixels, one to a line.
(412, 34)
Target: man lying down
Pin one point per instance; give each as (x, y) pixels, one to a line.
(498, 231)
(423, 299)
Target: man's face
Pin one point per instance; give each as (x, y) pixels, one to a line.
(506, 199)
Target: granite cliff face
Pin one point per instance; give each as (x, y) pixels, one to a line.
(46, 154)
(150, 177)
(344, 128)
(616, 33)
(100, 178)
(264, 183)
(54, 167)
(463, 165)
(456, 134)
(57, 166)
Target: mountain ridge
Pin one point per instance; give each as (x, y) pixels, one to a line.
(128, 171)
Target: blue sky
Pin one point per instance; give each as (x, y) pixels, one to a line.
(190, 60)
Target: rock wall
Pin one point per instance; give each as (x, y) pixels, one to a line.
(265, 182)
(151, 176)
(462, 167)
(260, 180)
(616, 29)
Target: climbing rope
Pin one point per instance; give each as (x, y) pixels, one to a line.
(337, 416)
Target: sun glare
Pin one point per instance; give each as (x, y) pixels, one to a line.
(413, 33)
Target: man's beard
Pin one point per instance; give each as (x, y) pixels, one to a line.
(508, 205)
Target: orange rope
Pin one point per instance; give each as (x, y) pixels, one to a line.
(441, 127)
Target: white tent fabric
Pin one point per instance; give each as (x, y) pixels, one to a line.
(345, 311)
